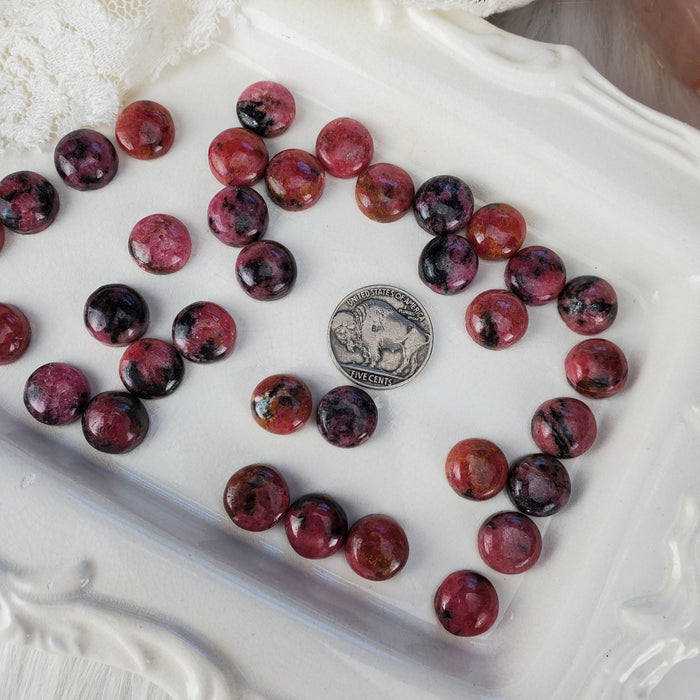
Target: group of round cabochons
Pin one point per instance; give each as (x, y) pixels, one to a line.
(85, 160)
(58, 393)
(509, 542)
(237, 215)
(116, 422)
(257, 497)
(537, 484)
(346, 416)
(466, 602)
(294, 180)
(443, 206)
(117, 315)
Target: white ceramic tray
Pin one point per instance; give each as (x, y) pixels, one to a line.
(131, 559)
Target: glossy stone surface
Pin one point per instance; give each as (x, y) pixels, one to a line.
(496, 231)
(85, 159)
(443, 204)
(345, 147)
(466, 603)
(346, 416)
(256, 497)
(28, 202)
(115, 422)
(596, 368)
(15, 333)
(56, 393)
(587, 305)
(295, 179)
(509, 542)
(448, 264)
(266, 270)
(204, 332)
(476, 469)
(151, 368)
(237, 156)
(384, 192)
(281, 404)
(237, 215)
(538, 485)
(316, 526)
(116, 314)
(160, 244)
(376, 547)
(536, 274)
(145, 130)
(496, 319)
(563, 427)
(267, 108)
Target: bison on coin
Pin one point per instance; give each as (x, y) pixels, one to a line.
(385, 339)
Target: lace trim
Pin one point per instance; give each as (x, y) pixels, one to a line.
(68, 63)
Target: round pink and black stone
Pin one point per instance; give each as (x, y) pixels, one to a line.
(509, 542)
(443, 204)
(346, 416)
(448, 264)
(538, 485)
(266, 270)
(596, 368)
(466, 603)
(587, 305)
(496, 231)
(145, 130)
(281, 404)
(496, 319)
(115, 422)
(237, 215)
(384, 192)
(204, 332)
(295, 179)
(29, 203)
(376, 547)
(564, 427)
(116, 314)
(151, 368)
(536, 274)
(316, 526)
(238, 156)
(476, 469)
(85, 159)
(15, 333)
(56, 393)
(345, 147)
(267, 108)
(256, 497)
(160, 244)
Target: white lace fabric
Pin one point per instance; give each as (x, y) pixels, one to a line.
(68, 63)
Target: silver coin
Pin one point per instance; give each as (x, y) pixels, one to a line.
(380, 336)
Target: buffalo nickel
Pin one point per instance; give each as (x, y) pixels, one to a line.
(380, 336)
